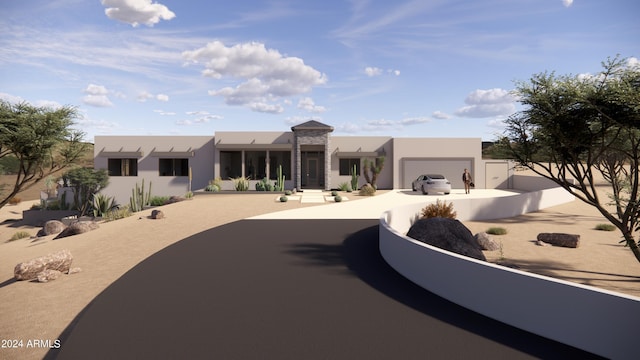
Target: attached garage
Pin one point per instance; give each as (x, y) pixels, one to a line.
(451, 168)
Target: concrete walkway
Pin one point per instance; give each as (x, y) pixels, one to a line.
(372, 207)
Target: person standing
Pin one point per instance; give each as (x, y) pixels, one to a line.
(466, 179)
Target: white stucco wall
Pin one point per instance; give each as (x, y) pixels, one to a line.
(120, 186)
(381, 145)
(439, 149)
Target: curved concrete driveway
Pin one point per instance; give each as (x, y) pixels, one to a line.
(285, 289)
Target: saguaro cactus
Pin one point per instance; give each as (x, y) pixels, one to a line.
(354, 178)
(279, 179)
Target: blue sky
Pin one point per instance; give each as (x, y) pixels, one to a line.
(367, 67)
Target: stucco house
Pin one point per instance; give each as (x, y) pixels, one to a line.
(311, 158)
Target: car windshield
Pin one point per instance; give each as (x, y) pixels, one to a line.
(436, 177)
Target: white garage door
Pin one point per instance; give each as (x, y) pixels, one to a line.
(451, 168)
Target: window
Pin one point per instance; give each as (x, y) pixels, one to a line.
(255, 164)
(174, 167)
(346, 166)
(277, 158)
(230, 164)
(123, 167)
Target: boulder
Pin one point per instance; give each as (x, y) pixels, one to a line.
(486, 242)
(60, 261)
(76, 228)
(47, 275)
(560, 239)
(157, 214)
(51, 227)
(447, 234)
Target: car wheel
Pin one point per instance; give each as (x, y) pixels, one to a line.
(424, 192)
(446, 193)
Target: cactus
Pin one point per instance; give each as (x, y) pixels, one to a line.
(354, 178)
(279, 179)
(139, 199)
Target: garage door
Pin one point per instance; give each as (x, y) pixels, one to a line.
(451, 168)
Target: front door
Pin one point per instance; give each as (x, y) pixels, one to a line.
(312, 173)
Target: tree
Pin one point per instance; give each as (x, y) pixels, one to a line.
(574, 127)
(375, 167)
(86, 182)
(40, 138)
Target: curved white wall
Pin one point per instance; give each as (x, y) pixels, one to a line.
(599, 321)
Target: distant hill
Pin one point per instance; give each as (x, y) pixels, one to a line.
(9, 164)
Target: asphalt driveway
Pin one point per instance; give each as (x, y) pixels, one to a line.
(285, 289)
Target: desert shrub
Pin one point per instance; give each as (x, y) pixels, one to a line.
(334, 193)
(367, 190)
(337, 198)
(188, 195)
(15, 200)
(212, 187)
(496, 231)
(116, 214)
(605, 227)
(158, 200)
(439, 209)
(344, 186)
(19, 235)
(284, 199)
(241, 183)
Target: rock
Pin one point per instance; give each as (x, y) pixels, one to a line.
(486, 242)
(560, 239)
(76, 228)
(60, 261)
(174, 199)
(447, 234)
(51, 227)
(47, 275)
(74, 270)
(157, 214)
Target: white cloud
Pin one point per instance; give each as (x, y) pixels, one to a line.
(309, 105)
(11, 98)
(414, 121)
(440, 115)
(266, 108)
(487, 103)
(265, 74)
(145, 95)
(137, 12)
(567, 3)
(633, 63)
(372, 71)
(164, 113)
(96, 96)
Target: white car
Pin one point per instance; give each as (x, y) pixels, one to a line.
(432, 183)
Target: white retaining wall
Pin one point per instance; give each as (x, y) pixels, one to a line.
(602, 322)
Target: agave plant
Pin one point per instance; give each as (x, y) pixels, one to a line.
(102, 204)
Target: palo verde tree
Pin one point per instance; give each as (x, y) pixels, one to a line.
(576, 129)
(40, 138)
